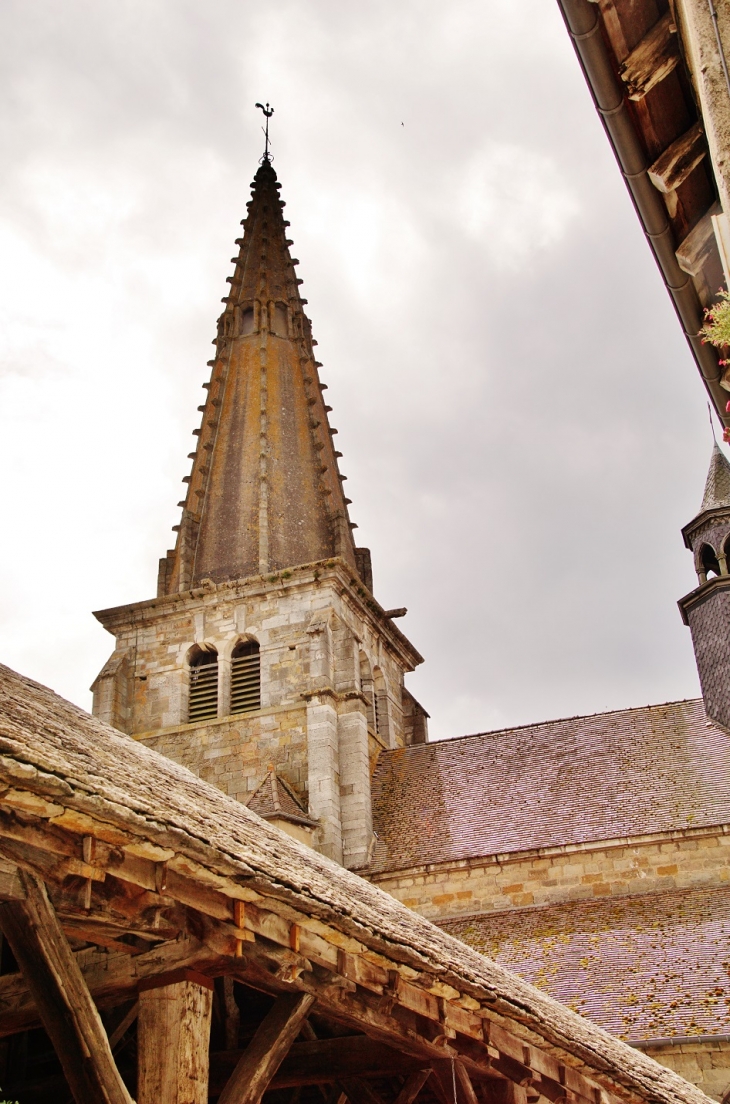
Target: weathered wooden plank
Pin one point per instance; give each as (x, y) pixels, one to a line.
(62, 997)
(671, 168)
(264, 1054)
(652, 60)
(109, 978)
(173, 1036)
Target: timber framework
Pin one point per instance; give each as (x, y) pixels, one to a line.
(177, 948)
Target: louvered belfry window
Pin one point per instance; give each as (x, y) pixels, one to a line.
(246, 677)
(203, 697)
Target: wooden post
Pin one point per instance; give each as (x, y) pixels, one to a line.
(266, 1051)
(64, 1003)
(173, 1036)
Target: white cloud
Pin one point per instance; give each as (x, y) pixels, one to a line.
(516, 202)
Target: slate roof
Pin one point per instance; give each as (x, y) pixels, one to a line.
(607, 776)
(273, 798)
(717, 487)
(651, 966)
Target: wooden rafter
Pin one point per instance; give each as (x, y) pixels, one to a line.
(129, 855)
(264, 1054)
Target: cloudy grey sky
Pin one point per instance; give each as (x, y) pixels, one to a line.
(523, 428)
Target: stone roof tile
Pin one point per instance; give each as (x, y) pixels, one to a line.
(52, 749)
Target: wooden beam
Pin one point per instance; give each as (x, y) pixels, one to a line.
(62, 997)
(173, 1036)
(671, 168)
(652, 60)
(123, 1026)
(264, 1054)
(111, 979)
(506, 1092)
(413, 1085)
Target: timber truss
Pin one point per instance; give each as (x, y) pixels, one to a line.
(161, 942)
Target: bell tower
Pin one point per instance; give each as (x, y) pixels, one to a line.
(706, 609)
(264, 657)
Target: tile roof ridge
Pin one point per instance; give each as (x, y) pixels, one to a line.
(546, 724)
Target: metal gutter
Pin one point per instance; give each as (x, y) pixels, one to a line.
(581, 19)
(678, 1040)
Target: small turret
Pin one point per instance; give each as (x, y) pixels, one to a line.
(707, 608)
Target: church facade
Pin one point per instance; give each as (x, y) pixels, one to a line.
(590, 855)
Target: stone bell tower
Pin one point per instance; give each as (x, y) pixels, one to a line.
(707, 608)
(265, 658)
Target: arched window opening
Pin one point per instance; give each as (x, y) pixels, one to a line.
(247, 321)
(203, 697)
(246, 677)
(709, 564)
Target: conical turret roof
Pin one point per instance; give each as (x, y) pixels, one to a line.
(717, 487)
(265, 492)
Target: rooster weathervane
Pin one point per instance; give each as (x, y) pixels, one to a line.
(268, 112)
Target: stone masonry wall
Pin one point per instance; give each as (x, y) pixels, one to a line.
(570, 874)
(704, 1063)
(322, 654)
(235, 753)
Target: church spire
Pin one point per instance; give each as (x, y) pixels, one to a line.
(717, 485)
(264, 492)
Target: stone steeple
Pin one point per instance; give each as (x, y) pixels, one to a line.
(265, 655)
(717, 485)
(264, 492)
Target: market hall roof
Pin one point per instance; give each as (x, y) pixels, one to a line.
(573, 781)
(66, 778)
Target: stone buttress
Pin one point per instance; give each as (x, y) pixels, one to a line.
(265, 650)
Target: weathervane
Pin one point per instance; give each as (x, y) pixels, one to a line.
(268, 112)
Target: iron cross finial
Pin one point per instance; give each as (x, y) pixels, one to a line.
(268, 112)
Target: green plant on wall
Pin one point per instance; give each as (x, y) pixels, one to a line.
(716, 330)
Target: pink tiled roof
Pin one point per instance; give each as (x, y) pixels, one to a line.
(606, 776)
(650, 966)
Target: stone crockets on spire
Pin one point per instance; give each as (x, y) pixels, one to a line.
(264, 492)
(265, 653)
